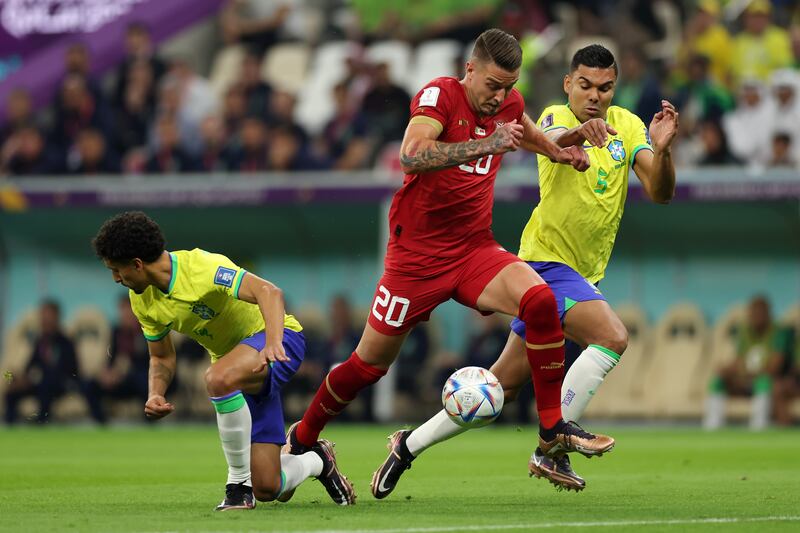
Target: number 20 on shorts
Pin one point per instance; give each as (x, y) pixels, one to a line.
(391, 306)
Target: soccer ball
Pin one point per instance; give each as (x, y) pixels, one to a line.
(472, 397)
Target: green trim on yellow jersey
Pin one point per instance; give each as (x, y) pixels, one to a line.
(238, 283)
(639, 149)
(174, 274)
(160, 335)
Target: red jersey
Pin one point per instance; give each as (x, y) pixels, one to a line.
(445, 213)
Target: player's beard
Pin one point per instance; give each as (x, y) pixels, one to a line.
(490, 110)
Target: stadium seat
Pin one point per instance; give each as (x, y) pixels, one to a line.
(285, 66)
(671, 383)
(791, 317)
(328, 67)
(433, 59)
(90, 330)
(226, 68)
(621, 394)
(396, 54)
(723, 343)
(670, 18)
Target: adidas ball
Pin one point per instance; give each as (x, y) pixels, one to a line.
(472, 397)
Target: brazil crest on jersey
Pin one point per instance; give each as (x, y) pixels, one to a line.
(203, 303)
(577, 219)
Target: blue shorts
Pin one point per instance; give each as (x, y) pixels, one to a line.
(568, 286)
(266, 409)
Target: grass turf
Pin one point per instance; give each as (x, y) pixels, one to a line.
(170, 478)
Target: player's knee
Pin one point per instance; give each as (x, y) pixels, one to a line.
(538, 308)
(266, 493)
(615, 339)
(219, 382)
(618, 343)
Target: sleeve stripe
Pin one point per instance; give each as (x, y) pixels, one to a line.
(156, 337)
(551, 128)
(238, 284)
(429, 121)
(638, 149)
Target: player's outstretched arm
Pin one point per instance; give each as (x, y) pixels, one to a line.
(269, 298)
(656, 169)
(162, 371)
(534, 140)
(422, 152)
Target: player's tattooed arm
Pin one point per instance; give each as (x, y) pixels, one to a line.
(421, 152)
(160, 376)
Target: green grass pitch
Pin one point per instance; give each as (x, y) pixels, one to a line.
(170, 478)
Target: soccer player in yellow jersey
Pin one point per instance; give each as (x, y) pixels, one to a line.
(255, 349)
(568, 241)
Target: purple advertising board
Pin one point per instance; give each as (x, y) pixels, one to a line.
(34, 35)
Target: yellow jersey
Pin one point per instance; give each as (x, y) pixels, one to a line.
(202, 302)
(577, 219)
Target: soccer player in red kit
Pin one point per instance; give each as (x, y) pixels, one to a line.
(441, 244)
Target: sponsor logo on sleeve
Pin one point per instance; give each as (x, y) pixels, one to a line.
(429, 97)
(547, 121)
(224, 277)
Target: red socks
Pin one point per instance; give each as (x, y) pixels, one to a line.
(340, 387)
(544, 343)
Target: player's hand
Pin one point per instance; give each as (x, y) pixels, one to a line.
(157, 407)
(596, 131)
(664, 127)
(506, 138)
(270, 354)
(575, 156)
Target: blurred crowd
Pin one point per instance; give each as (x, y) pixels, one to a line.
(732, 71)
(762, 367)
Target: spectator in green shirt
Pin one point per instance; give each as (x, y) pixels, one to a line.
(760, 356)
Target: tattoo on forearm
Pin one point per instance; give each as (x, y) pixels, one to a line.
(160, 372)
(442, 155)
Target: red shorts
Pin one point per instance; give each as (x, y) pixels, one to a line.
(413, 285)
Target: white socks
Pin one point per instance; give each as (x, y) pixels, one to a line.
(234, 424)
(583, 379)
(297, 468)
(437, 429)
(760, 408)
(714, 416)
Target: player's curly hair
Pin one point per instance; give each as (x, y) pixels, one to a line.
(594, 56)
(128, 236)
(500, 47)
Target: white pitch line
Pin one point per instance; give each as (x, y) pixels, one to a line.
(550, 525)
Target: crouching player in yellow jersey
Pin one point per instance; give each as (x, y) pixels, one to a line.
(255, 349)
(568, 241)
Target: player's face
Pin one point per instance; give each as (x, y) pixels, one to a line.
(590, 91)
(488, 86)
(128, 274)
